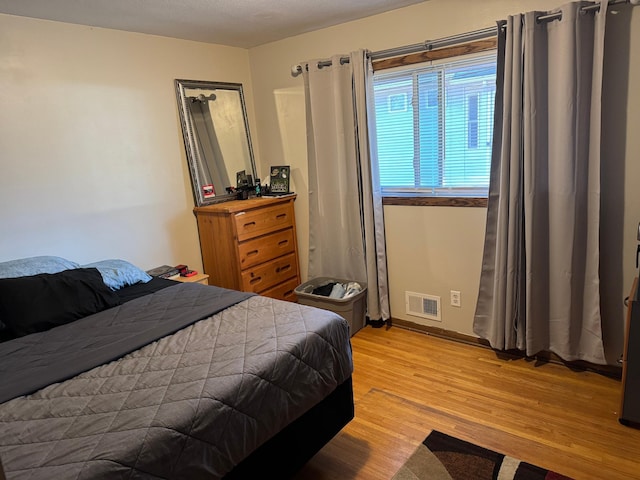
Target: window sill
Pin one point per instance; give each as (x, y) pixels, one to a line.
(436, 201)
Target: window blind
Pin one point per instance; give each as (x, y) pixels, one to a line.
(434, 127)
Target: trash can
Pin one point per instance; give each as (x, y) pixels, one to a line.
(353, 309)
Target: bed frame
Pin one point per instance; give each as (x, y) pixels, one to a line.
(289, 450)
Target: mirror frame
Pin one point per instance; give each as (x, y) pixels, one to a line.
(189, 142)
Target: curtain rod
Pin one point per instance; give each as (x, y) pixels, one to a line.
(452, 40)
(407, 49)
(589, 8)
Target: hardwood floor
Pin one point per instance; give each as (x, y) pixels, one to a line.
(407, 383)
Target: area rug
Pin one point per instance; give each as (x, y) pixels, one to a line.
(441, 457)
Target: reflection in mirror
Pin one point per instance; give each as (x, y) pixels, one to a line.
(216, 137)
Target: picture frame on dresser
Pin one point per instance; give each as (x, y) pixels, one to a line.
(279, 179)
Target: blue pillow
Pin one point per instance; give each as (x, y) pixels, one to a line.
(25, 267)
(118, 273)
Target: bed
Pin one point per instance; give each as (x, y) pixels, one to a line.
(150, 378)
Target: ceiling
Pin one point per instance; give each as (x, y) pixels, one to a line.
(239, 23)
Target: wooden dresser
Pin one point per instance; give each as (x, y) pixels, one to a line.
(251, 245)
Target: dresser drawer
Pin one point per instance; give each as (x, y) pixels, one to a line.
(266, 275)
(253, 223)
(258, 250)
(283, 291)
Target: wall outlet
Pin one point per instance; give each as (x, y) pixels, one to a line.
(455, 298)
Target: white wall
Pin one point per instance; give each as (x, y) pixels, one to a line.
(92, 161)
(436, 249)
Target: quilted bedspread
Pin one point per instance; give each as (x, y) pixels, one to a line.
(189, 405)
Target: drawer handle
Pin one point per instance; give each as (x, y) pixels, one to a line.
(249, 224)
(284, 268)
(255, 280)
(252, 253)
(283, 243)
(282, 215)
(288, 293)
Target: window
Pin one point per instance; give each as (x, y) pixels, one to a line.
(434, 127)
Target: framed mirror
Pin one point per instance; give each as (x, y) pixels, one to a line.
(215, 128)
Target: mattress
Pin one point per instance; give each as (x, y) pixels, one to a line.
(191, 403)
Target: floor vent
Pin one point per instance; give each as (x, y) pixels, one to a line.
(422, 305)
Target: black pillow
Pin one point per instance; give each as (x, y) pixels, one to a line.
(40, 302)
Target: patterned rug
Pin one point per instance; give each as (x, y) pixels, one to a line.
(441, 457)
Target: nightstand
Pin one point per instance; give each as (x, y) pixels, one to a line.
(202, 278)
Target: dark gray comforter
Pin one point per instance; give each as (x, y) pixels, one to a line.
(190, 405)
(35, 361)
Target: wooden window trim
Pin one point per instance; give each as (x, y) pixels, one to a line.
(436, 201)
(437, 54)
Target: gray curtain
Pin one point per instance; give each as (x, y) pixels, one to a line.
(209, 158)
(539, 288)
(346, 232)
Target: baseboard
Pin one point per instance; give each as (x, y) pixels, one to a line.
(612, 371)
(440, 332)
